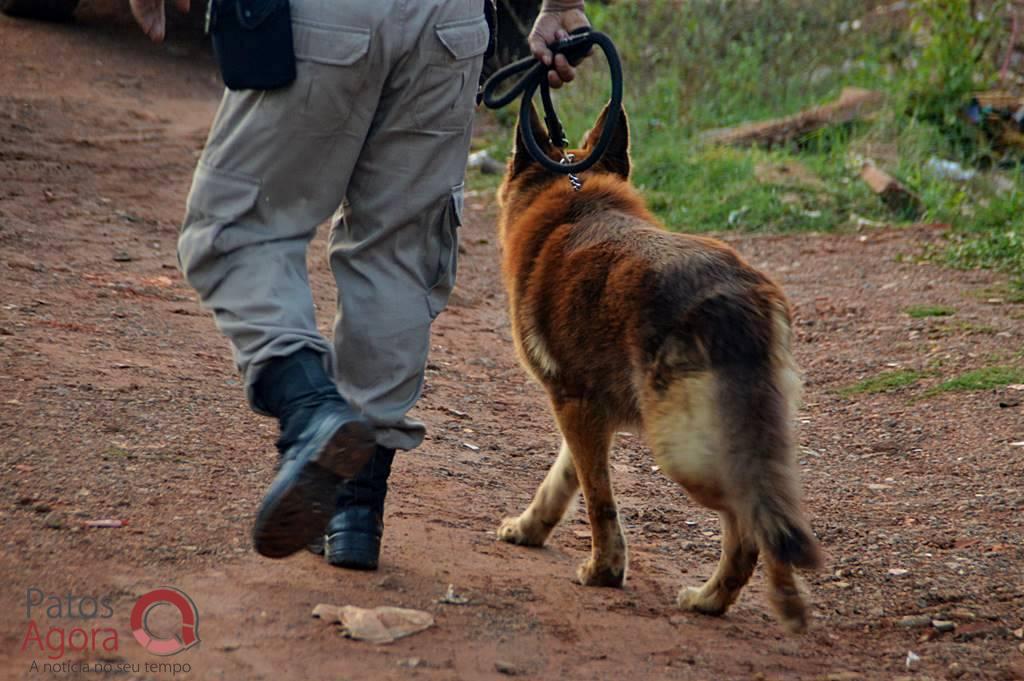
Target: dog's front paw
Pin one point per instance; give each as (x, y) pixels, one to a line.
(593, 574)
(692, 598)
(511, 531)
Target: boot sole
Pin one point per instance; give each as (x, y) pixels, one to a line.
(300, 501)
(352, 550)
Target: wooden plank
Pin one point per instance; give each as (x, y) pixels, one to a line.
(892, 192)
(853, 103)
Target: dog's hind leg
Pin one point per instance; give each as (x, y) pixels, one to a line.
(588, 432)
(739, 556)
(548, 506)
(786, 596)
(682, 427)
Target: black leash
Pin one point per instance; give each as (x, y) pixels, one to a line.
(575, 48)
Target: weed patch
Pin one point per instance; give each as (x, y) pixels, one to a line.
(888, 381)
(922, 311)
(981, 379)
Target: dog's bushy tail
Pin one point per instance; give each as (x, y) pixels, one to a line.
(745, 338)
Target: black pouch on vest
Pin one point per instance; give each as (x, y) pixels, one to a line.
(252, 40)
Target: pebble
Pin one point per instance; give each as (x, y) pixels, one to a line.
(506, 668)
(42, 507)
(944, 625)
(956, 670)
(914, 621)
(122, 257)
(411, 662)
(54, 521)
(388, 583)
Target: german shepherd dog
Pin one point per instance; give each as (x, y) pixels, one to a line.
(631, 327)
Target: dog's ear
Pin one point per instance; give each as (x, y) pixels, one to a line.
(616, 157)
(521, 158)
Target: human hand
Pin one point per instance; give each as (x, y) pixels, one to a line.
(150, 16)
(555, 21)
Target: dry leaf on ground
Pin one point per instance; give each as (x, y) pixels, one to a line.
(377, 625)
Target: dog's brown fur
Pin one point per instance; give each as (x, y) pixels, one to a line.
(629, 326)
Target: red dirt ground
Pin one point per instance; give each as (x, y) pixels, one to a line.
(119, 400)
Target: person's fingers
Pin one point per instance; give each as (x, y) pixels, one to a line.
(539, 49)
(546, 30)
(550, 28)
(150, 16)
(155, 30)
(564, 69)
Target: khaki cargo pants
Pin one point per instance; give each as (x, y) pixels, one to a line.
(379, 116)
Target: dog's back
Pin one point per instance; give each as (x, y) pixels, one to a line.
(670, 334)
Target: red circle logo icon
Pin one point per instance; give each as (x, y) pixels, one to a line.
(184, 639)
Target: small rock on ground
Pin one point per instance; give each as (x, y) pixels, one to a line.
(506, 668)
(914, 621)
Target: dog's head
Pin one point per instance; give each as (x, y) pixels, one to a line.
(525, 178)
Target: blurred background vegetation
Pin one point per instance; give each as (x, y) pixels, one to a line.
(699, 65)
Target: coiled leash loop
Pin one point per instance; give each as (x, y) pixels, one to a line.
(575, 48)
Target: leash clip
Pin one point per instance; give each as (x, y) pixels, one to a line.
(574, 179)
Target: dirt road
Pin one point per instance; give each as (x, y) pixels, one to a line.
(119, 401)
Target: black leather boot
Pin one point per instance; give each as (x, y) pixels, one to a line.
(323, 442)
(353, 535)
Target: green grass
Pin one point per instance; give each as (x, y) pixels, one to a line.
(712, 64)
(922, 311)
(1012, 292)
(987, 378)
(981, 379)
(970, 328)
(888, 381)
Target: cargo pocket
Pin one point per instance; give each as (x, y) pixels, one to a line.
(331, 45)
(448, 254)
(446, 92)
(217, 201)
(333, 66)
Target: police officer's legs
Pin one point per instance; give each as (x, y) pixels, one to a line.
(394, 253)
(276, 165)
